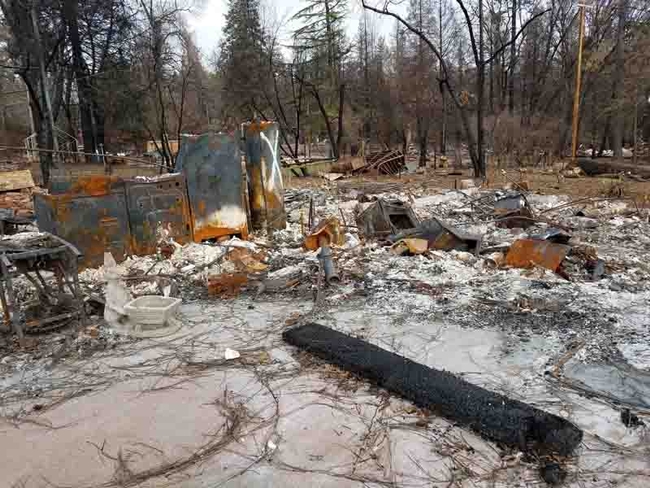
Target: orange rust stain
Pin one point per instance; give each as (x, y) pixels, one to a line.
(256, 127)
(328, 232)
(265, 201)
(257, 199)
(206, 232)
(94, 186)
(201, 207)
(61, 208)
(93, 244)
(226, 285)
(525, 253)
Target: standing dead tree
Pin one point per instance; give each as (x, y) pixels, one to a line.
(162, 66)
(475, 139)
(35, 46)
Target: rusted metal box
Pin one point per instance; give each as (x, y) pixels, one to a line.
(158, 208)
(266, 189)
(91, 214)
(212, 166)
(386, 217)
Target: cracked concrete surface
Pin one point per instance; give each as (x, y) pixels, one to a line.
(278, 417)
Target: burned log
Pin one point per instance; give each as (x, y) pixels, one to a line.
(595, 167)
(494, 416)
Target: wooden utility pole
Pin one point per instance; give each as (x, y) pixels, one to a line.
(576, 96)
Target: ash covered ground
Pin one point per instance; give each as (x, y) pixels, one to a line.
(104, 409)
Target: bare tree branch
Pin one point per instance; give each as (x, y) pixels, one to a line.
(514, 39)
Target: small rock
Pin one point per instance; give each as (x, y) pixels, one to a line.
(552, 473)
(630, 419)
(231, 354)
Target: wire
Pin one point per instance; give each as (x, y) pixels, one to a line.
(126, 158)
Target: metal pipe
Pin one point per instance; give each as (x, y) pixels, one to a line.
(329, 269)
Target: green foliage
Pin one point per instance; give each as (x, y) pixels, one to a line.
(322, 34)
(242, 62)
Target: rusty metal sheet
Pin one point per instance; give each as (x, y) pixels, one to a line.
(328, 232)
(266, 188)
(526, 253)
(93, 217)
(226, 285)
(212, 166)
(158, 207)
(91, 185)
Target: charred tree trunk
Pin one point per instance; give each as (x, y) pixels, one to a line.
(513, 59)
(480, 89)
(618, 121)
(328, 124)
(443, 122)
(339, 134)
(84, 87)
(423, 136)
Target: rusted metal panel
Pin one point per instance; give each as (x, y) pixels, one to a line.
(92, 185)
(92, 216)
(526, 253)
(266, 188)
(213, 170)
(158, 208)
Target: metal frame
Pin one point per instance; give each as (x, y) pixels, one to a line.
(62, 260)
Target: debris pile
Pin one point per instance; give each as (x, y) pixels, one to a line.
(546, 288)
(16, 191)
(39, 286)
(388, 162)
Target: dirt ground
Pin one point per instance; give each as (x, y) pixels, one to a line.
(544, 181)
(538, 182)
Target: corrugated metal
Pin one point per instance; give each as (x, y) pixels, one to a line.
(213, 169)
(157, 207)
(266, 188)
(91, 215)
